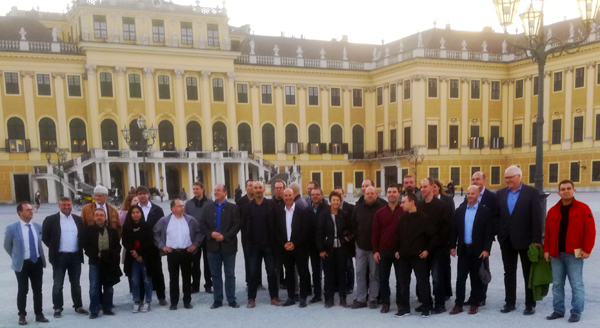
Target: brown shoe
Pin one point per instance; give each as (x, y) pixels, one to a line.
(456, 310)
(385, 308)
(276, 302)
(473, 310)
(251, 303)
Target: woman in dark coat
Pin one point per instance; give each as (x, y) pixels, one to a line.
(138, 241)
(331, 233)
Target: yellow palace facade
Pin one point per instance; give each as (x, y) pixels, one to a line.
(222, 105)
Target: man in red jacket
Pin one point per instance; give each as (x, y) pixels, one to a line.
(570, 236)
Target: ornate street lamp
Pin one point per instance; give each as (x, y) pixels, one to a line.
(61, 155)
(414, 158)
(146, 143)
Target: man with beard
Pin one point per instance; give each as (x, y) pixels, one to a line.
(313, 213)
(410, 187)
(363, 189)
(278, 189)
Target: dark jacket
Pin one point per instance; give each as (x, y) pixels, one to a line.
(51, 235)
(272, 214)
(300, 203)
(326, 231)
(109, 261)
(449, 201)
(483, 230)
(362, 224)
(361, 200)
(195, 207)
(489, 200)
(156, 213)
(525, 225)
(415, 233)
(347, 210)
(440, 213)
(242, 203)
(230, 226)
(313, 222)
(139, 238)
(299, 228)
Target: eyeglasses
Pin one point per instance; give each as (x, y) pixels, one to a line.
(510, 177)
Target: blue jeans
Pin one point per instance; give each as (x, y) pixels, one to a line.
(139, 275)
(566, 265)
(95, 285)
(216, 260)
(71, 263)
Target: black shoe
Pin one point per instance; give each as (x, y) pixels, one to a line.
(357, 305)
(419, 308)
(425, 314)
(328, 303)
(208, 290)
(508, 308)
(188, 306)
(58, 313)
(468, 302)
(296, 298)
(289, 302)
(316, 299)
(81, 311)
(554, 316)
(574, 318)
(234, 305)
(343, 302)
(438, 309)
(173, 307)
(195, 290)
(22, 320)
(303, 302)
(216, 305)
(402, 313)
(529, 310)
(41, 318)
(108, 312)
(93, 315)
(163, 302)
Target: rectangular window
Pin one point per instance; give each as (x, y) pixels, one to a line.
(598, 74)
(187, 36)
(454, 88)
(574, 173)
(474, 131)
(191, 84)
(597, 127)
(158, 30)
(519, 89)
(596, 171)
(242, 93)
(379, 96)
(336, 97)
(100, 31)
(579, 77)
(495, 175)
(164, 88)
(313, 96)
(267, 94)
(495, 94)
(407, 138)
(359, 176)
(518, 136)
(434, 172)
(432, 88)
(432, 136)
(406, 89)
(533, 133)
(74, 84)
(558, 84)
(531, 173)
(475, 169)
(455, 175)
(135, 86)
(453, 142)
(316, 176)
(393, 139)
(556, 131)
(392, 92)
(494, 131)
(129, 28)
(11, 83)
(380, 141)
(578, 129)
(536, 82)
(377, 179)
(338, 180)
(403, 172)
(218, 92)
(213, 34)
(475, 89)
(43, 84)
(357, 97)
(553, 173)
(106, 86)
(290, 95)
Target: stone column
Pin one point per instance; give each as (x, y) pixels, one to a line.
(207, 139)
(121, 90)
(347, 89)
(92, 103)
(382, 178)
(511, 105)
(98, 174)
(527, 121)
(485, 114)
(256, 133)
(241, 176)
(400, 129)
(136, 167)
(443, 115)
(190, 193)
(398, 174)
(547, 121)
(369, 131)
(165, 180)
(156, 176)
(325, 138)
(195, 172)
(246, 175)
(386, 118)
(106, 181)
(61, 112)
(302, 113)
(30, 119)
(213, 176)
(589, 104)
(150, 100)
(567, 121)
(231, 114)
(52, 190)
(505, 122)
(418, 111)
(220, 168)
(464, 122)
(280, 142)
(180, 110)
(130, 177)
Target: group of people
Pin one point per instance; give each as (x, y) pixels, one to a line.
(414, 231)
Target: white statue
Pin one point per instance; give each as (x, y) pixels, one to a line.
(387, 52)
(86, 33)
(322, 53)
(201, 44)
(227, 43)
(345, 54)
(504, 51)
(145, 38)
(484, 45)
(299, 52)
(276, 51)
(571, 31)
(401, 46)
(464, 45)
(252, 45)
(442, 43)
(419, 40)
(54, 35)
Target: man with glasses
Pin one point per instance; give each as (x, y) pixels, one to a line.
(520, 223)
(112, 215)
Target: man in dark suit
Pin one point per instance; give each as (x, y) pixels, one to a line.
(60, 233)
(438, 189)
(520, 223)
(220, 224)
(313, 212)
(242, 204)
(347, 209)
(473, 229)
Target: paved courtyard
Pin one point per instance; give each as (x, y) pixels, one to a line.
(312, 316)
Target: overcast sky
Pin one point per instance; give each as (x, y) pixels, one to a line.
(362, 21)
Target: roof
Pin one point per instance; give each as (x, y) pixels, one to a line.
(36, 31)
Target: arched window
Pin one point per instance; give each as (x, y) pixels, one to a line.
(219, 136)
(336, 134)
(78, 136)
(245, 137)
(314, 134)
(291, 134)
(135, 135)
(166, 136)
(268, 139)
(194, 136)
(15, 128)
(358, 148)
(110, 135)
(47, 135)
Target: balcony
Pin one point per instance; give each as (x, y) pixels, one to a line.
(476, 143)
(17, 145)
(317, 148)
(338, 148)
(497, 143)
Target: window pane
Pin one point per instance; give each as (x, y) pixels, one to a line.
(406, 89)
(495, 175)
(556, 131)
(135, 86)
(242, 90)
(74, 83)
(393, 92)
(453, 137)
(11, 81)
(519, 89)
(335, 97)
(213, 34)
(475, 89)
(192, 88)
(432, 88)
(454, 88)
(578, 129)
(432, 137)
(558, 81)
(495, 90)
(518, 143)
(357, 97)
(553, 173)
(455, 175)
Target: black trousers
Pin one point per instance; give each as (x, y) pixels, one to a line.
(197, 271)
(257, 254)
(176, 260)
(30, 272)
(386, 261)
(510, 257)
(420, 268)
(438, 261)
(158, 278)
(468, 265)
(335, 272)
(297, 258)
(316, 266)
(247, 264)
(350, 272)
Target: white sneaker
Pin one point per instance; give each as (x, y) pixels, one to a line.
(136, 307)
(146, 307)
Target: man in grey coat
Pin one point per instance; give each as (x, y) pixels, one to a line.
(178, 236)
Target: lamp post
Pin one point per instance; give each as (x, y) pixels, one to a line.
(414, 158)
(144, 144)
(61, 159)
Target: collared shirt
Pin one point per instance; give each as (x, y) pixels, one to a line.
(178, 233)
(512, 197)
(219, 209)
(469, 220)
(289, 214)
(480, 195)
(68, 234)
(25, 235)
(146, 209)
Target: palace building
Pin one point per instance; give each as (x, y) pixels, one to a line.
(219, 104)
